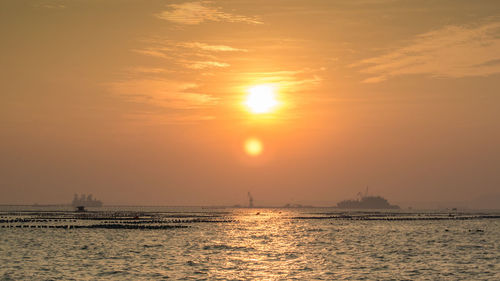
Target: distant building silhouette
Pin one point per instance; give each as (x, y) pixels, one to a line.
(85, 201)
(250, 200)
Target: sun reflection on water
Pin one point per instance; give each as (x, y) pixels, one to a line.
(263, 243)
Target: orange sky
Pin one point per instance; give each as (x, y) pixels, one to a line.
(143, 102)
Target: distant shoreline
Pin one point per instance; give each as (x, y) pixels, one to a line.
(402, 210)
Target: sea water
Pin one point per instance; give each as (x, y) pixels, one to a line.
(133, 243)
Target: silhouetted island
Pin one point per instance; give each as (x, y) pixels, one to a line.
(367, 202)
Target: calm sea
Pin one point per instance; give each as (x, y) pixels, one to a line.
(133, 243)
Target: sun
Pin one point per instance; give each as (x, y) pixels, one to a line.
(253, 147)
(261, 99)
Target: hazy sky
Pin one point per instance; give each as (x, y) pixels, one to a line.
(141, 102)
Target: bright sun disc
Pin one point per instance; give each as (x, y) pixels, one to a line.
(261, 99)
(253, 147)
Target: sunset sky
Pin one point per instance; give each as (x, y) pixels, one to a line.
(146, 102)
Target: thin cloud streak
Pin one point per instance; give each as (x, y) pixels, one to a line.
(162, 93)
(51, 4)
(206, 64)
(151, 52)
(207, 47)
(191, 55)
(146, 70)
(142, 118)
(451, 52)
(193, 13)
(291, 80)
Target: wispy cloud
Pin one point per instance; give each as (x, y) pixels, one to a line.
(151, 51)
(146, 70)
(192, 55)
(452, 51)
(292, 80)
(162, 93)
(192, 13)
(206, 64)
(51, 4)
(166, 97)
(142, 118)
(207, 47)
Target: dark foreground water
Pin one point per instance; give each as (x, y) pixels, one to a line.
(246, 244)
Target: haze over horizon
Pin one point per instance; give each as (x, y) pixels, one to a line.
(297, 101)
